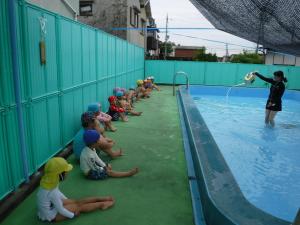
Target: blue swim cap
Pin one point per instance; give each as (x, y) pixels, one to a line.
(94, 107)
(116, 89)
(119, 94)
(90, 136)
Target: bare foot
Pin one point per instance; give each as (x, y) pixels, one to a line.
(109, 166)
(134, 171)
(107, 204)
(117, 153)
(109, 139)
(125, 119)
(113, 129)
(105, 199)
(139, 113)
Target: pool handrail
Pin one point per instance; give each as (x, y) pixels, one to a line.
(186, 77)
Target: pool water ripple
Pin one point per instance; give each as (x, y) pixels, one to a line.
(264, 161)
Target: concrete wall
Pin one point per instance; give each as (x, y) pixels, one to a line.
(58, 6)
(281, 59)
(108, 14)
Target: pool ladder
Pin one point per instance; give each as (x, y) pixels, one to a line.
(186, 77)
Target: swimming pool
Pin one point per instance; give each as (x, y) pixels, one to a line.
(245, 166)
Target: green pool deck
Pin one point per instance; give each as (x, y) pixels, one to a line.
(158, 195)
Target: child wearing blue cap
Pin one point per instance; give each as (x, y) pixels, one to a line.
(101, 116)
(90, 163)
(88, 121)
(121, 101)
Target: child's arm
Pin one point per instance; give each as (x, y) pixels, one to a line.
(99, 161)
(55, 198)
(117, 109)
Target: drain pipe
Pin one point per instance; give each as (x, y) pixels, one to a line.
(16, 78)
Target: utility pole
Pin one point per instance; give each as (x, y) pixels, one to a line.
(166, 37)
(227, 53)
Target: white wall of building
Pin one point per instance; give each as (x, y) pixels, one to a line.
(282, 59)
(59, 6)
(136, 36)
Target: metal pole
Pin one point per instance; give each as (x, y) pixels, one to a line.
(227, 53)
(166, 37)
(16, 79)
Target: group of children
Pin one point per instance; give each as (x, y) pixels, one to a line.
(54, 206)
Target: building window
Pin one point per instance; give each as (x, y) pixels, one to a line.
(86, 8)
(143, 26)
(134, 16)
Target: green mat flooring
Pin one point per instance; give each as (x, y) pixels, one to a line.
(158, 195)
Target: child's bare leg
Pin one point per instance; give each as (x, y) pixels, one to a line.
(107, 148)
(94, 199)
(96, 205)
(87, 200)
(129, 173)
(123, 117)
(111, 153)
(110, 126)
(135, 113)
(109, 140)
(88, 207)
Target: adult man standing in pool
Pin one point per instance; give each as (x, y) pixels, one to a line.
(276, 92)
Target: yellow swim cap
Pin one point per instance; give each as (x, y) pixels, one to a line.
(53, 168)
(139, 82)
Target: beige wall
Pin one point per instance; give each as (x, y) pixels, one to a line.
(281, 59)
(298, 61)
(58, 6)
(135, 36)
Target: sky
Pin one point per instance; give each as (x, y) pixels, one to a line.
(182, 13)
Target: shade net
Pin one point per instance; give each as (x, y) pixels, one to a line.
(275, 24)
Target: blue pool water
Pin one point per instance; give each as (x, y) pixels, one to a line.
(264, 161)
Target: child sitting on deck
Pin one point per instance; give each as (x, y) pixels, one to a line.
(54, 206)
(141, 92)
(130, 96)
(90, 163)
(121, 101)
(151, 83)
(101, 116)
(116, 111)
(88, 121)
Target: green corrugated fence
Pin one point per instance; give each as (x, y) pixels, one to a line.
(209, 73)
(83, 65)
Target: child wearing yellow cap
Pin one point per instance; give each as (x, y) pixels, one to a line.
(141, 91)
(53, 205)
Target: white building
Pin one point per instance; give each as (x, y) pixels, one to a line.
(281, 59)
(67, 8)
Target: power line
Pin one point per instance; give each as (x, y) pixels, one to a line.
(163, 28)
(220, 42)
